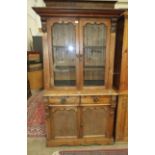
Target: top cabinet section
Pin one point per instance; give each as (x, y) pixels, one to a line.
(80, 46)
(78, 51)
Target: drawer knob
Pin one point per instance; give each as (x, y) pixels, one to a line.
(95, 99)
(63, 100)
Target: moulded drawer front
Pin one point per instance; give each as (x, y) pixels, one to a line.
(95, 99)
(64, 100)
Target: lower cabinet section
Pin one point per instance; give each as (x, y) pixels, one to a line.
(122, 119)
(80, 124)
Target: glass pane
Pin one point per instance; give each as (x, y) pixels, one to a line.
(94, 54)
(64, 54)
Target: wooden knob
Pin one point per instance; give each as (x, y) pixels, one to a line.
(63, 100)
(95, 99)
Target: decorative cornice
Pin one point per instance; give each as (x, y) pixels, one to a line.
(55, 109)
(105, 108)
(46, 12)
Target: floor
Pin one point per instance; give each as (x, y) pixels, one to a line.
(37, 146)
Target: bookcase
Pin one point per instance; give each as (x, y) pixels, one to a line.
(84, 67)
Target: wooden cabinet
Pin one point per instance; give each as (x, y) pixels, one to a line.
(79, 68)
(79, 119)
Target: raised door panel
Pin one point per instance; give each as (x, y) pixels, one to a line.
(97, 121)
(64, 122)
(94, 121)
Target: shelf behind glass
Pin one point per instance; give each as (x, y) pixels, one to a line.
(94, 75)
(93, 82)
(94, 46)
(65, 75)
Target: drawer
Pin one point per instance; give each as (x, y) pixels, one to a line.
(95, 99)
(64, 100)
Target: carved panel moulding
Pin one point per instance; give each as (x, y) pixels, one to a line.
(63, 105)
(105, 108)
(64, 109)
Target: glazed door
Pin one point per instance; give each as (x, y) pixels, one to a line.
(78, 52)
(63, 48)
(94, 48)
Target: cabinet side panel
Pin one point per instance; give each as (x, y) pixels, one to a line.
(118, 52)
(124, 65)
(126, 124)
(122, 119)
